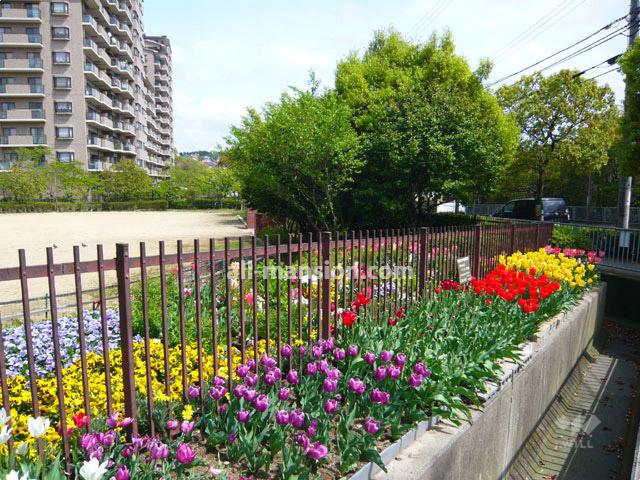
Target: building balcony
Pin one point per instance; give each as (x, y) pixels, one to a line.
(22, 115)
(94, 96)
(92, 72)
(21, 40)
(105, 144)
(23, 140)
(96, 53)
(21, 15)
(21, 90)
(9, 65)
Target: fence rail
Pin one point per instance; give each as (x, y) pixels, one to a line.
(209, 310)
(581, 214)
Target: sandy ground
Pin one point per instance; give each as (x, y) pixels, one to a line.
(36, 231)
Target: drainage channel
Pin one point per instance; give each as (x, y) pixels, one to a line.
(587, 432)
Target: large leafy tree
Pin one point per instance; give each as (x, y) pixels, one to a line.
(429, 129)
(68, 180)
(565, 121)
(294, 159)
(629, 145)
(125, 181)
(26, 180)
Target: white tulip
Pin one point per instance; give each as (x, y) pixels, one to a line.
(4, 418)
(38, 426)
(5, 434)
(13, 475)
(93, 470)
(22, 448)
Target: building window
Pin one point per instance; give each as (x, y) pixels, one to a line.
(59, 8)
(61, 82)
(63, 107)
(61, 57)
(64, 132)
(60, 33)
(65, 157)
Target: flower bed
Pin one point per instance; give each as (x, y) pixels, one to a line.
(327, 408)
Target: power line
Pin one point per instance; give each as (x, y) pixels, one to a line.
(557, 13)
(616, 69)
(426, 17)
(596, 43)
(609, 61)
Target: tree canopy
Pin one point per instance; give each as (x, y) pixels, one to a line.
(125, 181)
(564, 120)
(629, 145)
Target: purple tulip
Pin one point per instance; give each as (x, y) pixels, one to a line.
(217, 393)
(302, 440)
(386, 356)
(311, 369)
(158, 451)
(88, 441)
(415, 380)
(238, 390)
(185, 454)
(317, 451)
(251, 380)
(282, 417)
(108, 438)
(420, 369)
(380, 397)
(97, 453)
(286, 350)
(369, 357)
(186, 426)
(323, 365)
(242, 370)
(312, 429)
(122, 473)
(357, 386)
(330, 406)
(128, 451)
(126, 421)
(244, 416)
(393, 372)
(302, 350)
(252, 365)
(371, 426)
(283, 393)
(339, 354)
(328, 345)
(316, 351)
(276, 373)
(380, 373)
(329, 385)
(333, 374)
(194, 392)
(400, 360)
(223, 408)
(261, 403)
(249, 395)
(296, 418)
(292, 377)
(267, 361)
(218, 381)
(112, 420)
(270, 379)
(352, 351)
(232, 437)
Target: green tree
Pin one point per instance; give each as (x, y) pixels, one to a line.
(188, 179)
(26, 180)
(628, 148)
(428, 127)
(564, 121)
(295, 159)
(68, 180)
(125, 181)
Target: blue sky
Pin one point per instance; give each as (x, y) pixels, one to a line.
(230, 55)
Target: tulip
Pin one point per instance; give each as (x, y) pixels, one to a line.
(214, 472)
(158, 451)
(238, 390)
(4, 418)
(172, 425)
(242, 370)
(393, 372)
(282, 417)
(380, 397)
(292, 377)
(329, 385)
(126, 421)
(420, 369)
(328, 344)
(369, 358)
(330, 406)
(186, 426)
(302, 440)
(216, 393)
(316, 351)
(80, 420)
(93, 469)
(401, 359)
(380, 373)
(108, 438)
(357, 386)
(317, 451)
(267, 361)
(249, 395)
(244, 416)
(286, 350)
(97, 453)
(415, 380)
(185, 454)
(311, 369)
(323, 365)
(5, 434)
(122, 473)
(194, 391)
(252, 365)
(283, 393)
(38, 426)
(270, 379)
(371, 426)
(261, 403)
(223, 408)
(339, 354)
(386, 356)
(352, 351)
(218, 381)
(302, 349)
(296, 418)
(232, 437)
(312, 429)
(333, 374)
(251, 380)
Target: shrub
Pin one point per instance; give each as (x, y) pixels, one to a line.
(569, 237)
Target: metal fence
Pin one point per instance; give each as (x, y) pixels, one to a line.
(222, 306)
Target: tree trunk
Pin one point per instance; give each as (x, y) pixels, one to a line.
(539, 190)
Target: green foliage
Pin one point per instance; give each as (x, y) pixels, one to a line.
(30, 207)
(565, 122)
(569, 237)
(629, 145)
(428, 128)
(26, 181)
(68, 180)
(191, 179)
(295, 159)
(125, 181)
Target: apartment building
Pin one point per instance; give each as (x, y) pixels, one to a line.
(81, 77)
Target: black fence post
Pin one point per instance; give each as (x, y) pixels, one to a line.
(512, 239)
(126, 334)
(422, 262)
(325, 255)
(476, 250)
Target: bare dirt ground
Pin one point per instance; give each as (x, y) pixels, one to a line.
(36, 231)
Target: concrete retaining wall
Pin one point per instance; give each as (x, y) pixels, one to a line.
(485, 448)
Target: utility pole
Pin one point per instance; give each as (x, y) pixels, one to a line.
(628, 181)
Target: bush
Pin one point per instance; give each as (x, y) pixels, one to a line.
(43, 207)
(569, 237)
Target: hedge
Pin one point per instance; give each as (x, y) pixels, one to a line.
(15, 207)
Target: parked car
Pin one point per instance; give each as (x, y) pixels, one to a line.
(551, 210)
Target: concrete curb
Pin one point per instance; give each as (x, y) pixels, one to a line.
(484, 449)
